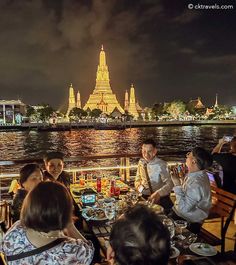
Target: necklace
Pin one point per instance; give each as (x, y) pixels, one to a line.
(51, 235)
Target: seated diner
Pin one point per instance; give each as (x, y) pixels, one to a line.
(45, 233)
(30, 176)
(193, 195)
(139, 237)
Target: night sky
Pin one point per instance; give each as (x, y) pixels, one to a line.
(167, 50)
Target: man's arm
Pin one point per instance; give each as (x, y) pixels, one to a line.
(166, 188)
(166, 179)
(187, 199)
(218, 147)
(138, 178)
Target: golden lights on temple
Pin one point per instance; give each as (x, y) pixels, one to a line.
(102, 96)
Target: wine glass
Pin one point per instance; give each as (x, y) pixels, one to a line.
(110, 211)
(190, 239)
(134, 197)
(181, 224)
(168, 223)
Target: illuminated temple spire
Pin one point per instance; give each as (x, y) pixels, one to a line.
(71, 104)
(132, 103)
(126, 106)
(102, 91)
(78, 102)
(216, 103)
(102, 57)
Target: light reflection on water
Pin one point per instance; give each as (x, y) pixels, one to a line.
(32, 144)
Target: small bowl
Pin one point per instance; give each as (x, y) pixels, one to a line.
(182, 258)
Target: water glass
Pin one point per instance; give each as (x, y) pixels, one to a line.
(180, 225)
(110, 211)
(169, 224)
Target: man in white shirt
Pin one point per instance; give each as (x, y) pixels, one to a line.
(193, 197)
(153, 179)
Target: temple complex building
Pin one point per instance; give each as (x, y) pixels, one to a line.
(102, 97)
(197, 103)
(139, 108)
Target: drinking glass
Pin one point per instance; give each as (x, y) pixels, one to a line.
(117, 191)
(134, 197)
(110, 211)
(190, 239)
(181, 224)
(82, 180)
(89, 179)
(168, 223)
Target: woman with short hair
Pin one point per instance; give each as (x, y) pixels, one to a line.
(30, 176)
(45, 233)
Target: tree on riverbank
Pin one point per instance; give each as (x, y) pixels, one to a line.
(45, 112)
(95, 113)
(30, 111)
(176, 108)
(157, 110)
(220, 112)
(77, 113)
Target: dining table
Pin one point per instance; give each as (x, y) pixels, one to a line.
(183, 252)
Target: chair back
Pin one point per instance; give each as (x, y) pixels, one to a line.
(223, 202)
(5, 215)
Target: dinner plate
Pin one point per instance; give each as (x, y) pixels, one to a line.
(174, 252)
(93, 218)
(157, 208)
(203, 249)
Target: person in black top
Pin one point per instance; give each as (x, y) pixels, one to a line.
(30, 176)
(54, 165)
(228, 163)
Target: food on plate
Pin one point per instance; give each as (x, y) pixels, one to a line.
(157, 208)
(204, 246)
(95, 213)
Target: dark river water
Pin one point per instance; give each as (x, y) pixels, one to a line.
(33, 144)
